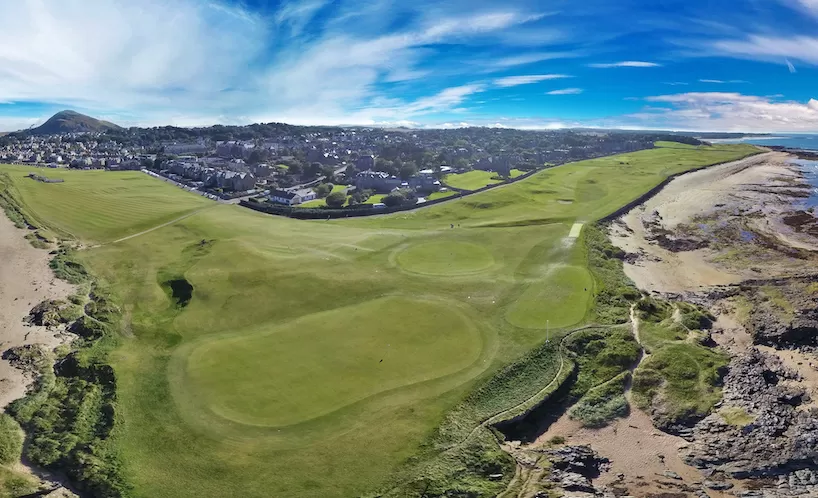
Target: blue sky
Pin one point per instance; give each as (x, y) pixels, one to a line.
(727, 65)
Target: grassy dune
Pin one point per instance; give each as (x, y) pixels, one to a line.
(269, 382)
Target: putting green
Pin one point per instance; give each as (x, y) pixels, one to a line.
(560, 300)
(445, 258)
(320, 363)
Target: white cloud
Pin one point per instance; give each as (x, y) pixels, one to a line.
(296, 14)
(122, 54)
(790, 66)
(565, 91)
(334, 79)
(771, 48)
(676, 83)
(721, 82)
(192, 62)
(521, 60)
(510, 81)
(625, 64)
(729, 111)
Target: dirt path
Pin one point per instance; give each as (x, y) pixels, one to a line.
(642, 454)
(157, 227)
(25, 281)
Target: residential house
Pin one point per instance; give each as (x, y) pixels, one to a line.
(376, 180)
(365, 162)
(291, 198)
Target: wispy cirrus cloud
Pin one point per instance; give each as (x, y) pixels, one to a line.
(565, 91)
(510, 81)
(624, 64)
(721, 82)
(771, 48)
(531, 58)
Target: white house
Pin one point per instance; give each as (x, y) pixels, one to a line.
(291, 198)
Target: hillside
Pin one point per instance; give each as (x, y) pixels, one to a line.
(72, 122)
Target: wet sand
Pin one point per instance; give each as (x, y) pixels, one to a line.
(25, 281)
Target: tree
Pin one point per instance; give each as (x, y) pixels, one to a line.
(314, 169)
(328, 172)
(408, 170)
(258, 155)
(356, 198)
(336, 199)
(393, 199)
(323, 190)
(400, 198)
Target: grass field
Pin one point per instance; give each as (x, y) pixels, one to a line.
(101, 206)
(471, 180)
(440, 195)
(317, 358)
(374, 198)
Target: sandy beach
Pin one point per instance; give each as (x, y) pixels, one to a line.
(756, 185)
(25, 281)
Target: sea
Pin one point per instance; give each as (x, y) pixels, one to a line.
(800, 141)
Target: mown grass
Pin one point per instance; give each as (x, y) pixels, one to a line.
(100, 206)
(254, 274)
(595, 188)
(441, 195)
(471, 180)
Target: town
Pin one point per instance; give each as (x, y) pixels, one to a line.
(320, 167)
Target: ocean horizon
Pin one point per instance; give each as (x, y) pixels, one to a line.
(794, 141)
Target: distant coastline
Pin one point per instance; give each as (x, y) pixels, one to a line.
(790, 142)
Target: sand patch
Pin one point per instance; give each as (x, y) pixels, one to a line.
(25, 280)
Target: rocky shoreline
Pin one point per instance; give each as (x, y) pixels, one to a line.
(734, 241)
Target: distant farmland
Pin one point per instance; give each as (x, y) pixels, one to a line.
(322, 358)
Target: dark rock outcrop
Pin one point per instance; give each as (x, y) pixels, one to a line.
(777, 440)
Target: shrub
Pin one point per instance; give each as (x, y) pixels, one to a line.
(323, 190)
(336, 199)
(66, 267)
(614, 291)
(603, 404)
(11, 440)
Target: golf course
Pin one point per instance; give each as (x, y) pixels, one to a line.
(265, 356)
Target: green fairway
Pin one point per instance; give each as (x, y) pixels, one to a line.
(100, 206)
(471, 180)
(560, 300)
(583, 191)
(319, 358)
(237, 378)
(445, 258)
